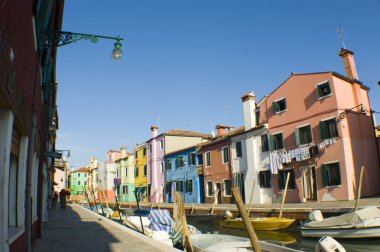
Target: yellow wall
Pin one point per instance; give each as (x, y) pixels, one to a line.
(142, 180)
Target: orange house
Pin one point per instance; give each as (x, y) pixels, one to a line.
(322, 133)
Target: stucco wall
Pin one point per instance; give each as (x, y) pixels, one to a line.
(174, 143)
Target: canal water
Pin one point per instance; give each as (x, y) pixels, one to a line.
(290, 237)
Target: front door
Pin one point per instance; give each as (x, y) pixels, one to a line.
(309, 183)
(218, 190)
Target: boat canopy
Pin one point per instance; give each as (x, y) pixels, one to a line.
(160, 220)
(359, 219)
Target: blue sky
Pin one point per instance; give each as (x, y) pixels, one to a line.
(188, 62)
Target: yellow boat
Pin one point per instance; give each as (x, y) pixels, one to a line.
(259, 223)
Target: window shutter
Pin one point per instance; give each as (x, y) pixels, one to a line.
(271, 142)
(285, 103)
(322, 126)
(336, 128)
(275, 108)
(297, 134)
(280, 178)
(309, 134)
(319, 91)
(324, 175)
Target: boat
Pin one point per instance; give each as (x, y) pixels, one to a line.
(363, 223)
(259, 223)
(229, 243)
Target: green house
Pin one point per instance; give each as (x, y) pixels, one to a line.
(79, 181)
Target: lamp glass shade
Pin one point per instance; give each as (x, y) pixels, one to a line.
(117, 53)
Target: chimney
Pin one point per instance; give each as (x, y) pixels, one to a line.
(249, 108)
(349, 63)
(154, 130)
(123, 152)
(221, 129)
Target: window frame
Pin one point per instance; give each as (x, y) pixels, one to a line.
(224, 156)
(145, 170)
(276, 106)
(265, 178)
(209, 185)
(324, 168)
(322, 128)
(318, 88)
(192, 159)
(161, 144)
(238, 143)
(208, 158)
(224, 188)
(272, 143)
(298, 135)
(187, 183)
(265, 147)
(169, 164)
(292, 179)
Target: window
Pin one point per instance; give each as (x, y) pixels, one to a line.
(145, 170)
(162, 144)
(150, 148)
(328, 128)
(264, 178)
(331, 174)
(136, 171)
(264, 143)
(303, 135)
(208, 159)
(189, 186)
(78, 174)
(125, 189)
(180, 162)
(226, 155)
(282, 179)
(136, 154)
(257, 112)
(238, 149)
(79, 182)
(85, 175)
(144, 152)
(277, 141)
(323, 89)
(279, 105)
(210, 192)
(227, 187)
(191, 158)
(85, 183)
(168, 164)
(162, 167)
(126, 171)
(179, 186)
(200, 159)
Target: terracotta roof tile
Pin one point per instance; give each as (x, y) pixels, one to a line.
(189, 133)
(83, 169)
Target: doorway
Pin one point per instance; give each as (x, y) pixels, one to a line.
(218, 190)
(309, 183)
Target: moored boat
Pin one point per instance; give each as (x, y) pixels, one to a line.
(364, 223)
(259, 223)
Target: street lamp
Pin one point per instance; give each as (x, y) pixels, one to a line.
(346, 111)
(61, 38)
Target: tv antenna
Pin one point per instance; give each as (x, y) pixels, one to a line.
(341, 35)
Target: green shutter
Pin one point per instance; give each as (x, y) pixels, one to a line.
(297, 134)
(309, 134)
(271, 143)
(275, 107)
(322, 127)
(336, 128)
(324, 175)
(285, 104)
(319, 91)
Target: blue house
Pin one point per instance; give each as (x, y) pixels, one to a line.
(184, 174)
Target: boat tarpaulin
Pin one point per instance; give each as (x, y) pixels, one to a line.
(160, 220)
(358, 219)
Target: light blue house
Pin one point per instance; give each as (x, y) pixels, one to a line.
(184, 174)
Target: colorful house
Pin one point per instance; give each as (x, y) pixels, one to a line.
(79, 180)
(159, 146)
(217, 167)
(126, 173)
(141, 171)
(322, 133)
(184, 174)
(107, 173)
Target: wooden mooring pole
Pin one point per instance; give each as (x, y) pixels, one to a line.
(359, 191)
(284, 196)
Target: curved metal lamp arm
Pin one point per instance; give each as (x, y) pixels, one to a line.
(61, 38)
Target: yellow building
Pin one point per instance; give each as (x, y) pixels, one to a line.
(141, 172)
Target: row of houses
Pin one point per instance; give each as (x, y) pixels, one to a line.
(316, 127)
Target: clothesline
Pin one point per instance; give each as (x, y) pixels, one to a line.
(278, 158)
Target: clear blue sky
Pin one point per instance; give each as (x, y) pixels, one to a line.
(189, 61)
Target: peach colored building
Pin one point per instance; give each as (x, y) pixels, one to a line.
(321, 131)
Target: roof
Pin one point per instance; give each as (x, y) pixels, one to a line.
(83, 169)
(127, 156)
(186, 133)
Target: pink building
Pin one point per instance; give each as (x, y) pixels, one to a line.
(321, 132)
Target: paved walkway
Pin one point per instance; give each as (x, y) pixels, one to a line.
(78, 229)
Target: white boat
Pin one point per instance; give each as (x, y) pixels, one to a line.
(364, 223)
(229, 243)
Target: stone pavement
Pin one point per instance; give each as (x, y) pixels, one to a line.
(79, 229)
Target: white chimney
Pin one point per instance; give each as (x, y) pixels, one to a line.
(154, 130)
(249, 108)
(123, 152)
